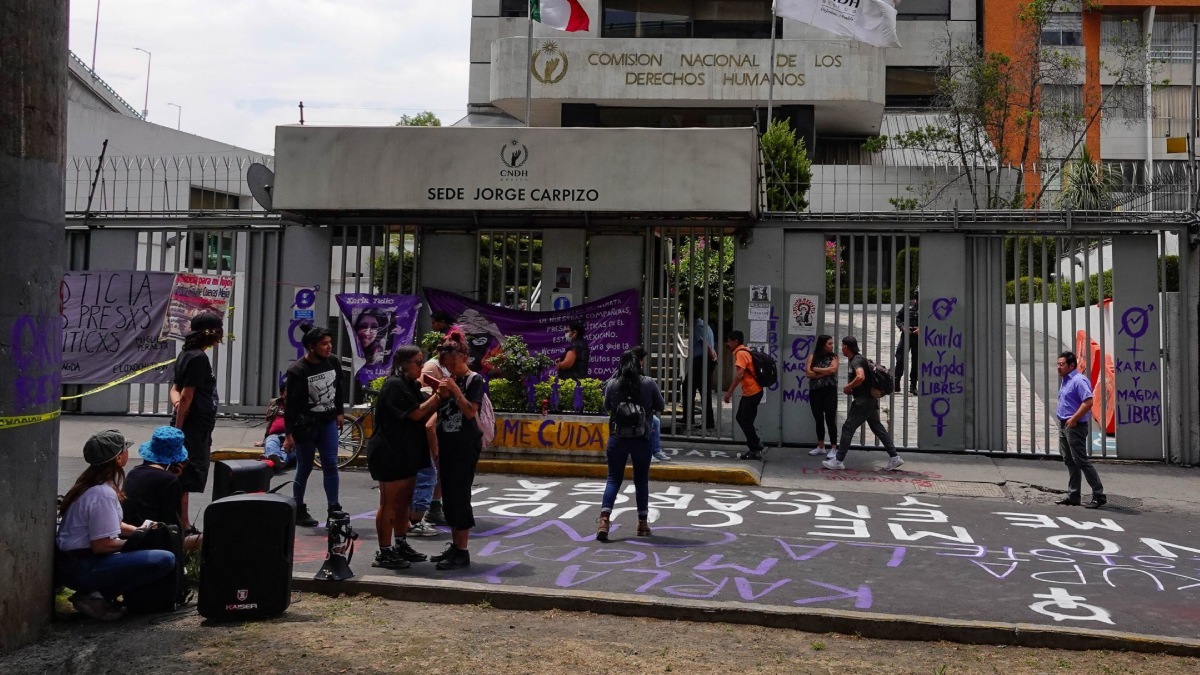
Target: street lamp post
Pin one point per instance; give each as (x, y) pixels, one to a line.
(146, 102)
(178, 114)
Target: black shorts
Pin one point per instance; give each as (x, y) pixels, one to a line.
(387, 462)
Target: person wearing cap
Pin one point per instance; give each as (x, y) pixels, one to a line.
(194, 395)
(152, 490)
(89, 556)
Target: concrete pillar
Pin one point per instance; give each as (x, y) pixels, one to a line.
(33, 102)
(303, 264)
(760, 262)
(562, 249)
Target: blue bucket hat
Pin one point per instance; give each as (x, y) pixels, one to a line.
(164, 447)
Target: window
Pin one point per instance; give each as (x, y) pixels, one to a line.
(211, 200)
(716, 19)
(514, 8)
(1120, 29)
(1063, 29)
(211, 252)
(1172, 110)
(910, 87)
(675, 118)
(1126, 102)
(923, 10)
(1171, 37)
(1062, 99)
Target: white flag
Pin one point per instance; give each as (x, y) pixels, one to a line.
(870, 21)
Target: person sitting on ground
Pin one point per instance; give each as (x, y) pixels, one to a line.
(88, 546)
(152, 490)
(278, 448)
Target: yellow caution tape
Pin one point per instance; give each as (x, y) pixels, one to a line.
(124, 379)
(26, 420)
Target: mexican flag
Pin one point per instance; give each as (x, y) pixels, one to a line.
(565, 15)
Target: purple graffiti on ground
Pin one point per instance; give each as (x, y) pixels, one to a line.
(1139, 403)
(611, 327)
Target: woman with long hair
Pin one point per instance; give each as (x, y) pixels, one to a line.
(398, 450)
(821, 368)
(88, 546)
(626, 396)
(194, 394)
(460, 442)
(313, 416)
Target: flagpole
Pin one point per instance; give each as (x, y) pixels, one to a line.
(771, 71)
(529, 64)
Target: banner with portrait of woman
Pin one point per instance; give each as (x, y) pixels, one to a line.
(377, 324)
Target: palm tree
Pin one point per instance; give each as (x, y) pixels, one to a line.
(1088, 185)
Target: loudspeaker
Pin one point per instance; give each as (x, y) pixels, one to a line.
(240, 475)
(246, 557)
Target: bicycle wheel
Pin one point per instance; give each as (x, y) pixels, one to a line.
(351, 441)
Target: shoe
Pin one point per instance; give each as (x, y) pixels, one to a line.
(816, 451)
(406, 552)
(388, 560)
(457, 560)
(1096, 502)
(444, 554)
(912, 391)
(95, 606)
(304, 518)
(435, 514)
(710, 425)
(1067, 501)
(832, 454)
(893, 463)
(750, 454)
(602, 525)
(643, 529)
(833, 465)
(661, 456)
(422, 528)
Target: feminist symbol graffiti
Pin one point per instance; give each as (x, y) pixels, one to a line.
(1134, 323)
(942, 307)
(944, 403)
(1059, 597)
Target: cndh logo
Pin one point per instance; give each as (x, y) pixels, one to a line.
(513, 155)
(548, 63)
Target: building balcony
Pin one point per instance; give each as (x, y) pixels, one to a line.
(843, 80)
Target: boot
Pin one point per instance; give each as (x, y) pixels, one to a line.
(602, 526)
(643, 529)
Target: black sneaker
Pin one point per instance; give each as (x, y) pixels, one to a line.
(750, 454)
(388, 559)
(450, 549)
(436, 515)
(407, 553)
(1096, 502)
(456, 561)
(304, 518)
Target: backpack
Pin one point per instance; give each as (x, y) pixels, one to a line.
(486, 418)
(881, 380)
(628, 420)
(170, 591)
(766, 371)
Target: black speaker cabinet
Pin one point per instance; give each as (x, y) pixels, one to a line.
(240, 475)
(246, 557)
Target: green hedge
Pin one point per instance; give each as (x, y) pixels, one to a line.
(1092, 290)
(512, 396)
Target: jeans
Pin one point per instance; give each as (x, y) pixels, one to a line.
(824, 402)
(273, 447)
(323, 439)
(619, 451)
(747, 412)
(423, 491)
(113, 573)
(696, 383)
(655, 434)
(1072, 445)
(864, 409)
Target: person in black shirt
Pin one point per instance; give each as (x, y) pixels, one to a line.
(459, 444)
(194, 395)
(396, 452)
(152, 490)
(313, 415)
(906, 321)
(864, 409)
(574, 362)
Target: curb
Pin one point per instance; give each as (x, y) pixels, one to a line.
(864, 624)
(676, 471)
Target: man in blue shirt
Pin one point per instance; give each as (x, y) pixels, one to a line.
(703, 357)
(1074, 417)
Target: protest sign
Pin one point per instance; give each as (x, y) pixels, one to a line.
(377, 324)
(111, 323)
(192, 294)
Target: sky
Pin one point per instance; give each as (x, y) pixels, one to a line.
(238, 68)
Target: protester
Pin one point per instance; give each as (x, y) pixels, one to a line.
(426, 510)
(629, 386)
(1074, 423)
(370, 330)
(863, 409)
(906, 321)
(752, 393)
(396, 452)
(313, 415)
(460, 443)
(278, 449)
(152, 490)
(88, 555)
(574, 363)
(821, 368)
(193, 392)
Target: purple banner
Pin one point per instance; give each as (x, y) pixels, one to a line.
(610, 328)
(377, 324)
(111, 323)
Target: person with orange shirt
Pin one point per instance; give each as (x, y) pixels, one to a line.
(752, 393)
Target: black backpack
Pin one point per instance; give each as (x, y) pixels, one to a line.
(628, 420)
(882, 383)
(168, 592)
(766, 371)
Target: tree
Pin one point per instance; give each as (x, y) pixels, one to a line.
(1024, 107)
(787, 166)
(421, 119)
(1087, 184)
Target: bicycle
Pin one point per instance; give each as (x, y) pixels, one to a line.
(352, 439)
